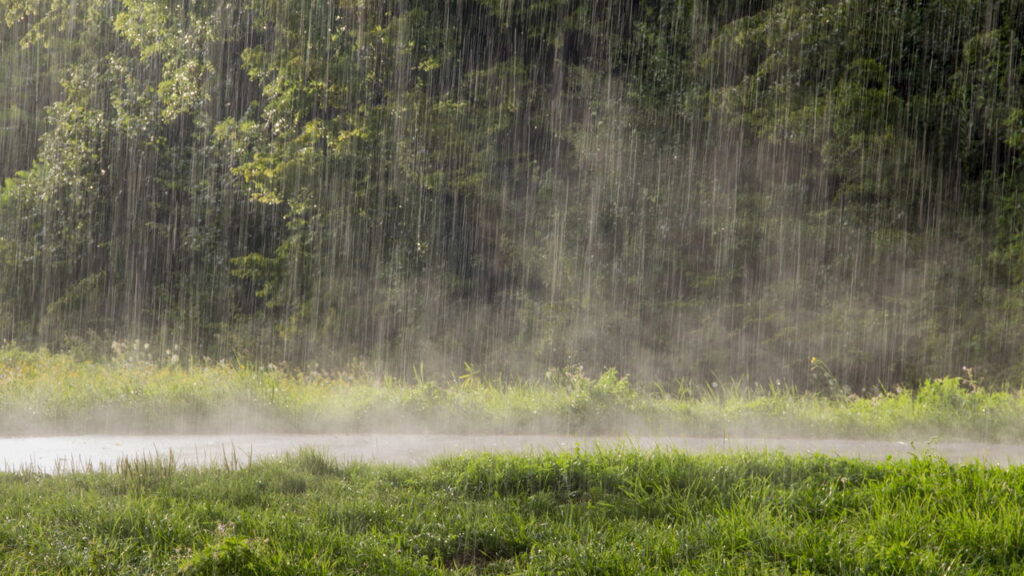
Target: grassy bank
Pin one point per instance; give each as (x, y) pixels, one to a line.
(571, 513)
(57, 393)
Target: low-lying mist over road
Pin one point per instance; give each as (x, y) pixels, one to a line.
(91, 452)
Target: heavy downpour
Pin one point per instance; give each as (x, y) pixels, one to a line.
(256, 248)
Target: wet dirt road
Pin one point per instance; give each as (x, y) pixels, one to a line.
(64, 453)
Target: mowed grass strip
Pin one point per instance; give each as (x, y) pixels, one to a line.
(612, 512)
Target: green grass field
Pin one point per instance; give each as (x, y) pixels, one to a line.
(616, 512)
(56, 392)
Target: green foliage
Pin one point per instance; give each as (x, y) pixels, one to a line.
(230, 556)
(146, 390)
(686, 189)
(602, 397)
(577, 512)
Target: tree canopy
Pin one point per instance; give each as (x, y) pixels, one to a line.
(682, 189)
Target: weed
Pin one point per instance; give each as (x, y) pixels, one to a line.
(230, 556)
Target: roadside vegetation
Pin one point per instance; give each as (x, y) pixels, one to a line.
(134, 392)
(617, 512)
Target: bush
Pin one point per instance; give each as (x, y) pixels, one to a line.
(599, 397)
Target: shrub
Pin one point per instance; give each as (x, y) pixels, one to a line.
(599, 397)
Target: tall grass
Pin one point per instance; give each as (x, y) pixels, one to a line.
(57, 393)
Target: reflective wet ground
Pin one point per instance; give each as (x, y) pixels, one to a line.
(64, 453)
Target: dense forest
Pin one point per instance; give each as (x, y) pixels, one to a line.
(683, 189)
